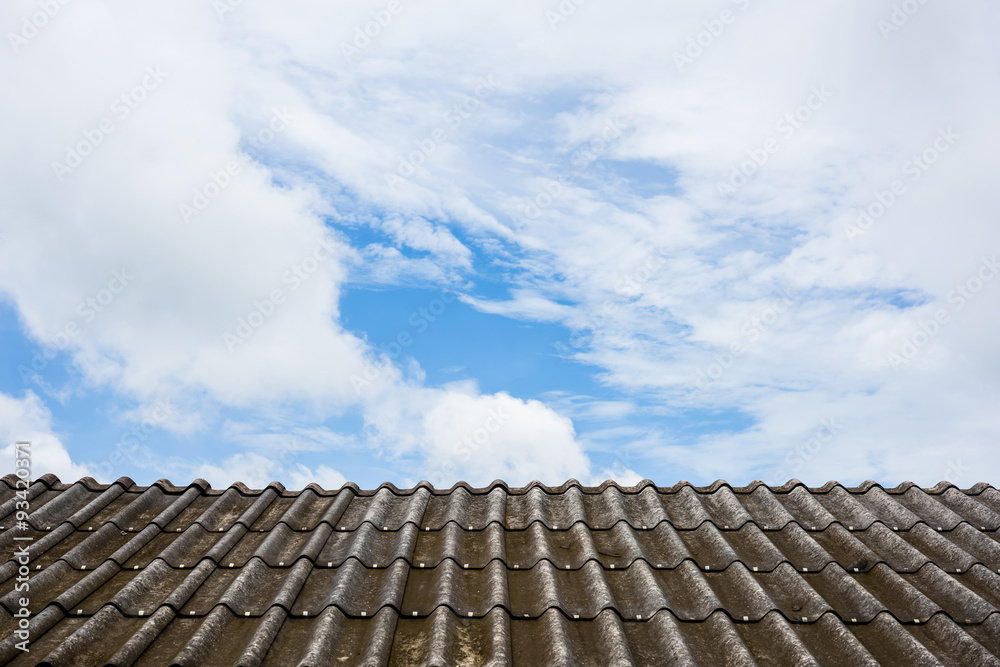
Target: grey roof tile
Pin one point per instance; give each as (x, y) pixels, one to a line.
(566, 575)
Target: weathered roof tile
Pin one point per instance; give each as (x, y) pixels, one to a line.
(570, 575)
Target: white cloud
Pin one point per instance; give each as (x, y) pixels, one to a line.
(481, 438)
(525, 304)
(420, 234)
(323, 475)
(627, 477)
(258, 470)
(28, 420)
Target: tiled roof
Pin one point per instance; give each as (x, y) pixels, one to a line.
(572, 575)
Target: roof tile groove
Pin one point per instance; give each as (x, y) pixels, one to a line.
(570, 575)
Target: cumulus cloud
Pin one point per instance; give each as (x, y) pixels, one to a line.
(28, 420)
(258, 470)
(480, 438)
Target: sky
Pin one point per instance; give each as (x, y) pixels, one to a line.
(394, 241)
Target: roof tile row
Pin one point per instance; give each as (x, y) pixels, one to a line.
(684, 509)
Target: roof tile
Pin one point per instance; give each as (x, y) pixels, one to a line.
(569, 575)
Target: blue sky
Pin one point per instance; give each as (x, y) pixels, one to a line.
(545, 241)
